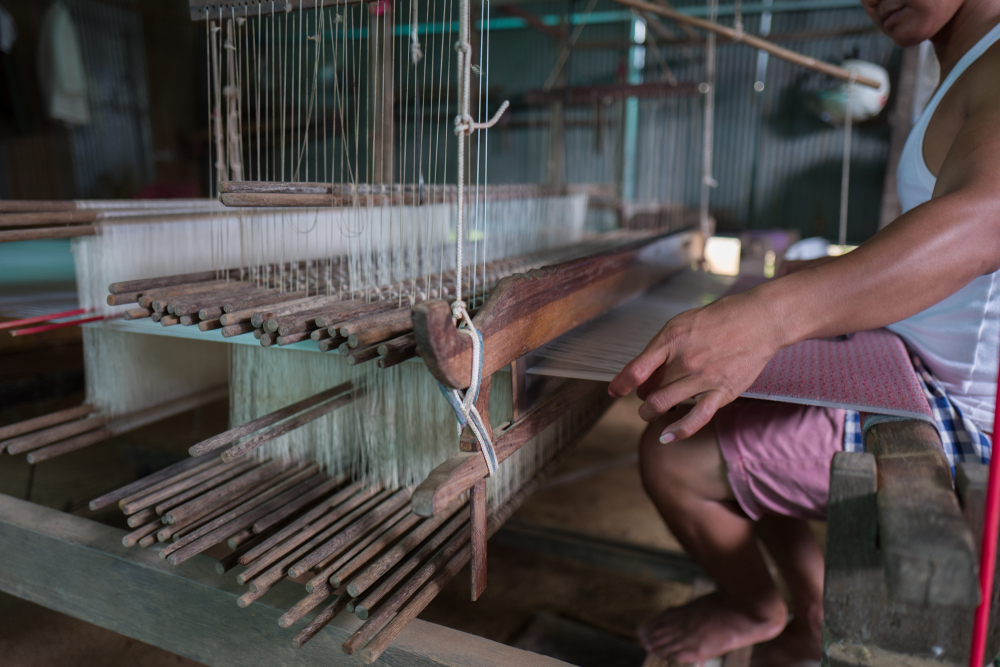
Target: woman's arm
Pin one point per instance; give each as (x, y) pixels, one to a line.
(714, 353)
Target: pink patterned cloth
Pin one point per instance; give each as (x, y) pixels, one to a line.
(778, 456)
(870, 372)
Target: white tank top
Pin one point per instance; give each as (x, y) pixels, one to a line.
(958, 338)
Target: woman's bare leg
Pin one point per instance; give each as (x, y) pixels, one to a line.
(687, 482)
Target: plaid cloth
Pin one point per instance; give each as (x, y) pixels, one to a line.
(961, 437)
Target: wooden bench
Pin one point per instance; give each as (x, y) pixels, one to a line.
(902, 552)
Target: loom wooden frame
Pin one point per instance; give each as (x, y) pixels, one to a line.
(191, 610)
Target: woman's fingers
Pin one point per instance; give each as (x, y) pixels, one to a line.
(662, 400)
(639, 370)
(697, 418)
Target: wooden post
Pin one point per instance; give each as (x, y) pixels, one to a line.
(557, 118)
(380, 58)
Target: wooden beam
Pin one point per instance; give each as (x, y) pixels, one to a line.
(252, 8)
(79, 568)
(533, 21)
(927, 549)
(584, 95)
(525, 311)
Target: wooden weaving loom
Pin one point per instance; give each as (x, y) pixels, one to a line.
(379, 544)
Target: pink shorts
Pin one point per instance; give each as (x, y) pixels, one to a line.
(778, 456)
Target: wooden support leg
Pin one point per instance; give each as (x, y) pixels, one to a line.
(477, 504)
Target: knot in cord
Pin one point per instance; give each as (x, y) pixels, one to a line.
(463, 125)
(464, 405)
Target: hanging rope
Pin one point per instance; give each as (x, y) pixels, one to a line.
(845, 172)
(464, 404)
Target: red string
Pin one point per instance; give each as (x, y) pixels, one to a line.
(988, 555)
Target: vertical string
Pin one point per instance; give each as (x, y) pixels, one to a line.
(845, 172)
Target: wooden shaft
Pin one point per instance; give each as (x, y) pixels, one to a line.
(290, 424)
(237, 519)
(329, 344)
(293, 338)
(239, 538)
(133, 538)
(319, 334)
(328, 566)
(397, 358)
(141, 518)
(191, 303)
(379, 334)
(38, 234)
(750, 40)
(352, 310)
(49, 218)
(374, 571)
(259, 316)
(227, 563)
(147, 284)
(137, 313)
(404, 343)
(255, 302)
(70, 445)
(436, 563)
(299, 322)
(351, 532)
(311, 304)
(36, 205)
(156, 317)
(352, 493)
(209, 325)
(45, 421)
(234, 434)
(393, 316)
(320, 531)
(210, 313)
(457, 475)
(122, 299)
(271, 520)
(338, 577)
(144, 484)
(158, 297)
(306, 604)
(192, 522)
(26, 443)
(169, 320)
(322, 620)
(203, 463)
(153, 497)
(195, 491)
(237, 329)
(364, 607)
(362, 354)
(236, 486)
(414, 606)
(477, 541)
(266, 339)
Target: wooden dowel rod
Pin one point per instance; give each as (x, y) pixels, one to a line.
(307, 604)
(147, 284)
(235, 486)
(141, 518)
(169, 320)
(123, 299)
(255, 303)
(322, 620)
(227, 563)
(203, 463)
(49, 218)
(133, 538)
(379, 334)
(319, 334)
(137, 313)
(409, 590)
(210, 325)
(397, 358)
(750, 40)
(365, 550)
(351, 311)
(70, 445)
(175, 487)
(397, 345)
(36, 205)
(239, 538)
(45, 421)
(363, 607)
(26, 443)
(290, 424)
(313, 305)
(236, 329)
(293, 338)
(413, 607)
(234, 521)
(238, 503)
(362, 354)
(319, 532)
(147, 541)
(191, 304)
(351, 532)
(159, 297)
(156, 317)
(38, 234)
(179, 468)
(209, 484)
(371, 574)
(289, 509)
(396, 316)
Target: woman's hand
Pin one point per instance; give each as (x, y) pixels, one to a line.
(711, 354)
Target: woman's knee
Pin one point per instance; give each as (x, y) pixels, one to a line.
(691, 466)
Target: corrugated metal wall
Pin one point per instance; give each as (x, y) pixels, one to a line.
(776, 164)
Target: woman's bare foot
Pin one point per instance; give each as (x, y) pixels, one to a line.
(709, 627)
(801, 640)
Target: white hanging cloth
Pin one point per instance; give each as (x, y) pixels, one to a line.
(61, 73)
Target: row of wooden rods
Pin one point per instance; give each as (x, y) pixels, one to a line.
(362, 326)
(72, 429)
(360, 542)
